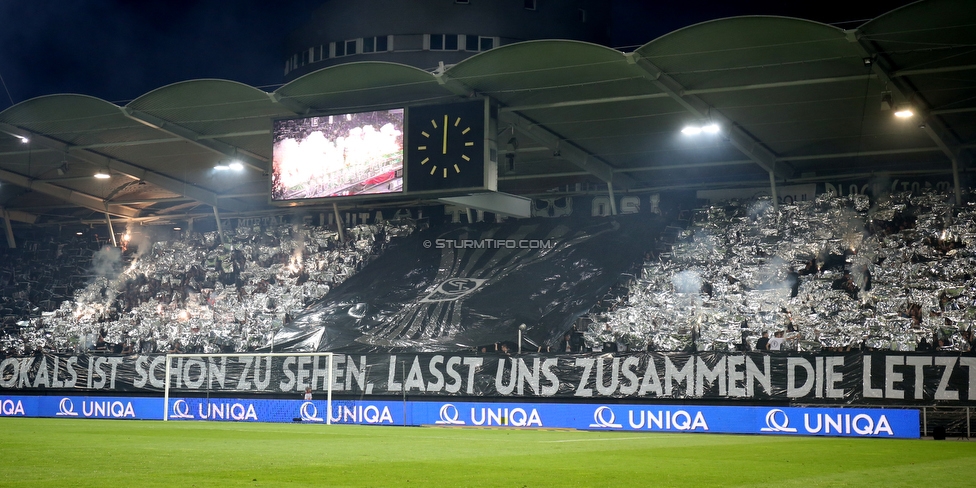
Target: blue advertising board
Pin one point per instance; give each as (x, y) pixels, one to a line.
(852, 422)
(136, 408)
(846, 422)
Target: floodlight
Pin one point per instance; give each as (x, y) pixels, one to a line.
(102, 175)
(710, 129)
(691, 130)
(236, 166)
(23, 139)
(221, 167)
(904, 113)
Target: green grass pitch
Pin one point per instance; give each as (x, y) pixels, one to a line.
(71, 452)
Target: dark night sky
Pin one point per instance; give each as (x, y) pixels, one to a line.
(121, 49)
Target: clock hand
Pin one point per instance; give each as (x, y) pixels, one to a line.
(445, 134)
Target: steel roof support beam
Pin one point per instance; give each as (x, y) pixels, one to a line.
(19, 216)
(929, 71)
(684, 93)
(11, 243)
(578, 103)
(165, 182)
(569, 151)
(665, 167)
(933, 127)
(146, 142)
(743, 141)
(71, 196)
(167, 219)
(949, 111)
(290, 104)
(854, 154)
(246, 157)
(111, 230)
(220, 228)
(778, 84)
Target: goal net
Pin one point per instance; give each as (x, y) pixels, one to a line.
(254, 387)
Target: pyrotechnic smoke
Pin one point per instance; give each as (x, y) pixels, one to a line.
(688, 281)
(107, 262)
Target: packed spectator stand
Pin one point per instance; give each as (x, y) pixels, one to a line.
(837, 273)
(193, 293)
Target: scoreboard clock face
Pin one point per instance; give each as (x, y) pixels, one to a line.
(446, 146)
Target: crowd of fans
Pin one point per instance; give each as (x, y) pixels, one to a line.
(836, 274)
(193, 293)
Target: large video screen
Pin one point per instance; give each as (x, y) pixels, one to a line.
(338, 155)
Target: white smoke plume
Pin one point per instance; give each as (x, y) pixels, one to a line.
(107, 262)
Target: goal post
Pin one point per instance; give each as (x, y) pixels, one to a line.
(260, 378)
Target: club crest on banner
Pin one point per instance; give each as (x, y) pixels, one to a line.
(454, 289)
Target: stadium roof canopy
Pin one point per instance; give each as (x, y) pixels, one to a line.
(796, 101)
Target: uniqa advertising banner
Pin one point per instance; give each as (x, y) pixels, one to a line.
(848, 422)
(82, 407)
(867, 379)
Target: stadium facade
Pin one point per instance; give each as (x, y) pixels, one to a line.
(428, 35)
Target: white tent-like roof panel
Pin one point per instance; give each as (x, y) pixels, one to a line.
(795, 98)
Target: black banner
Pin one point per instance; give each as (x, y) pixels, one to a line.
(879, 378)
(455, 289)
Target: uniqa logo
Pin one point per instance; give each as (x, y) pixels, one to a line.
(449, 415)
(9, 407)
(773, 423)
(66, 408)
(227, 411)
(181, 410)
(667, 420)
(860, 424)
(310, 413)
(601, 421)
(107, 408)
(358, 414)
(514, 417)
